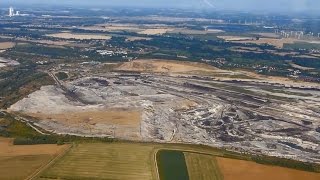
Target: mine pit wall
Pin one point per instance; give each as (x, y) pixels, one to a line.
(221, 118)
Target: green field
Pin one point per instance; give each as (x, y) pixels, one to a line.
(172, 165)
(104, 161)
(122, 161)
(144, 161)
(302, 45)
(204, 167)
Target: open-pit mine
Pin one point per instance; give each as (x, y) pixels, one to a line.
(164, 101)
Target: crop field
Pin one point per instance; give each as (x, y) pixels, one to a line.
(279, 43)
(245, 170)
(79, 36)
(204, 167)
(20, 162)
(100, 161)
(20, 167)
(303, 45)
(6, 45)
(157, 31)
(172, 165)
(122, 161)
(151, 161)
(113, 27)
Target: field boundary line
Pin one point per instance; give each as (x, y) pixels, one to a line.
(156, 164)
(192, 151)
(47, 165)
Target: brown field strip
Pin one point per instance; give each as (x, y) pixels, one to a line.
(7, 45)
(21, 161)
(20, 167)
(164, 66)
(66, 35)
(204, 167)
(137, 161)
(245, 170)
(118, 117)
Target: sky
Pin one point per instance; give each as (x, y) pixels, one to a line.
(242, 5)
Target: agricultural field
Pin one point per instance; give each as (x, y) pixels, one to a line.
(6, 45)
(202, 166)
(172, 165)
(99, 161)
(157, 31)
(66, 35)
(122, 161)
(161, 162)
(113, 27)
(303, 45)
(245, 170)
(195, 32)
(279, 43)
(22, 161)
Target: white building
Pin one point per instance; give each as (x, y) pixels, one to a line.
(11, 12)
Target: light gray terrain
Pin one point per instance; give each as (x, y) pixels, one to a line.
(243, 116)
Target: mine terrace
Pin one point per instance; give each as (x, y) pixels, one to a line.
(168, 101)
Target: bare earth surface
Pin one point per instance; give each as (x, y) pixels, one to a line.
(8, 149)
(166, 101)
(155, 31)
(7, 45)
(160, 66)
(271, 41)
(79, 36)
(20, 161)
(245, 170)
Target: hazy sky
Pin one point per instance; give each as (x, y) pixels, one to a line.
(250, 5)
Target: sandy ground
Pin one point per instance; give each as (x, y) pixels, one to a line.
(8, 149)
(300, 67)
(235, 38)
(189, 31)
(79, 36)
(272, 41)
(21, 161)
(268, 39)
(161, 66)
(109, 117)
(307, 56)
(112, 28)
(178, 67)
(275, 79)
(7, 45)
(245, 170)
(155, 31)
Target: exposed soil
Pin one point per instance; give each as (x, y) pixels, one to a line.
(8, 149)
(66, 35)
(245, 170)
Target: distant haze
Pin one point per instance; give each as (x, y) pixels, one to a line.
(243, 5)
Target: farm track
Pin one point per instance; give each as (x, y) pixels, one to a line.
(51, 162)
